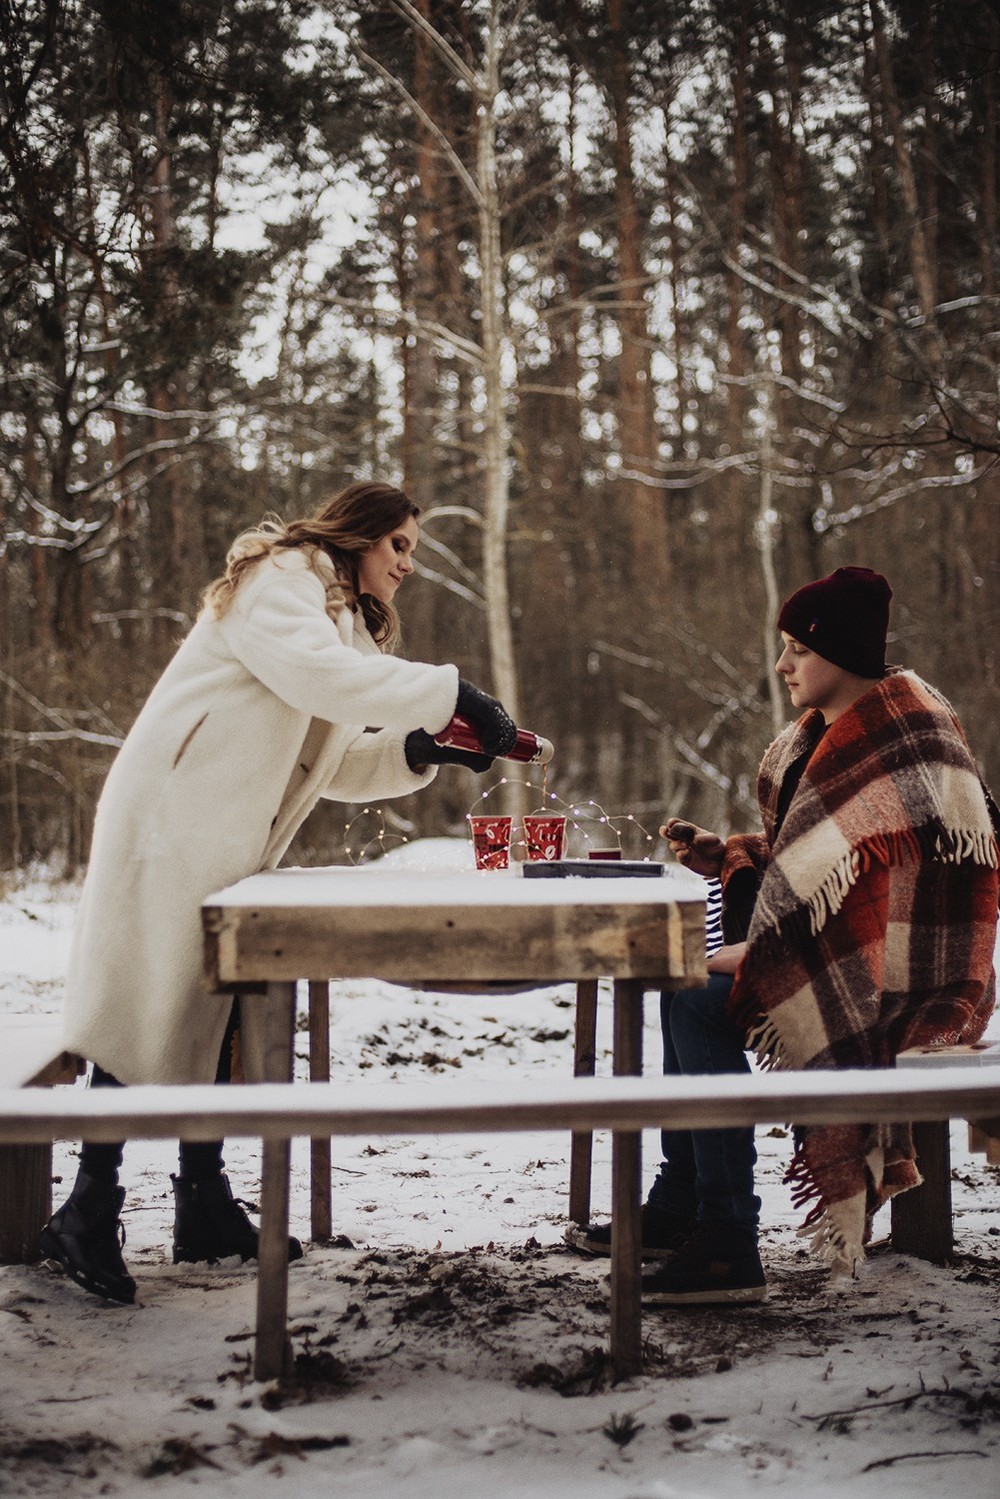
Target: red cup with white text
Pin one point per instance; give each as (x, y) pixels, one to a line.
(491, 841)
(544, 837)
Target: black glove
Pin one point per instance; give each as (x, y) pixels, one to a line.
(422, 749)
(497, 730)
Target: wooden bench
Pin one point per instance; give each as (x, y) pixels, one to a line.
(922, 1219)
(283, 1111)
(30, 1057)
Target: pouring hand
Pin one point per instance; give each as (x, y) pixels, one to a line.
(497, 730)
(421, 750)
(695, 848)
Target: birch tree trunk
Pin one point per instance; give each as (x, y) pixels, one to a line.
(494, 352)
(767, 523)
(496, 434)
(417, 354)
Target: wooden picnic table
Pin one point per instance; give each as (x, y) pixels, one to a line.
(451, 928)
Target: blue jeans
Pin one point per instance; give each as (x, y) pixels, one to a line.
(706, 1173)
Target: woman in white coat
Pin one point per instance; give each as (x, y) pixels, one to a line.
(282, 693)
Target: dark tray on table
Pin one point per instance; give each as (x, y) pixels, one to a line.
(553, 869)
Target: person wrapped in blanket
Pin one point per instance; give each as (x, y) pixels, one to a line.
(861, 921)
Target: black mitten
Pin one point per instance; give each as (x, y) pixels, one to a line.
(497, 730)
(422, 749)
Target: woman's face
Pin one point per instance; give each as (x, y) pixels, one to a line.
(385, 564)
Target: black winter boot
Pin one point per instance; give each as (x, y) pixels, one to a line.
(210, 1224)
(663, 1233)
(719, 1264)
(86, 1236)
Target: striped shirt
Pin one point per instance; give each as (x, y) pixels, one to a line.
(713, 917)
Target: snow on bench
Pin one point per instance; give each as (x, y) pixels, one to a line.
(32, 1055)
(282, 1111)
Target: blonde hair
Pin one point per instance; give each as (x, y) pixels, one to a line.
(343, 530)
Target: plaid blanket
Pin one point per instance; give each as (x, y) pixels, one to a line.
(873, 929)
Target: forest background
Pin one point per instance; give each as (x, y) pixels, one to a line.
(658, 309)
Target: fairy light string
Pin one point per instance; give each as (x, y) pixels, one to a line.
(366, 841)
(360, 852)
(582, 817)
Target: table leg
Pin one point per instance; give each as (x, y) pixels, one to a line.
(921, 1218)
(272, 1353)
(584, 1063)
(626, 1189)
(25, 1200)
(320, 1208)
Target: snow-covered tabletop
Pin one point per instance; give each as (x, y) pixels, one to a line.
(362, 885)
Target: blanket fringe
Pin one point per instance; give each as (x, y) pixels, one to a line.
(764, 1040)
(829, 1244)
(948, 845)
(827, 1239)
(804, 1189)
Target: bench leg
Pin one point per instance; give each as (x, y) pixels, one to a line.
(626, 1192)
(272, 1352)
(921, 1219)
(584, 1063)
(320, 1205)
(25, 1200)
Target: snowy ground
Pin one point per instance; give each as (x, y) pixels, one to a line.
(450, 1345)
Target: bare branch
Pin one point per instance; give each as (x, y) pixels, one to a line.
(46, 736)
(444, 337)
(460, 567)
(177, 615)
(825, 522)
(458, 166)
(465, 512)
(54, 715)
(745, 462)
(804, 392)
(444, 49)
(822, 293)
(450, 583)
(821, 314)
(694, 760)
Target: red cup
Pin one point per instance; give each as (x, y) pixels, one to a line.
(544, 837)
(491, 841)
(604, 853)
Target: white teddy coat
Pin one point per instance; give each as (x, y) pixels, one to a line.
(258, 715)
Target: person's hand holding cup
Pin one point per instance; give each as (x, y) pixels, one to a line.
(697, 849)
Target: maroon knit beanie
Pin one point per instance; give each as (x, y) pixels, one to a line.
(843, 618)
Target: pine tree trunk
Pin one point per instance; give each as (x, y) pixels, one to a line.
(921, 267)
(635, 407)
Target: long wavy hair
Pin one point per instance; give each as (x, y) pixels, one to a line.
(344, 529)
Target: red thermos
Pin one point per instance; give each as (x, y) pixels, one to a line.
(529, 748)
